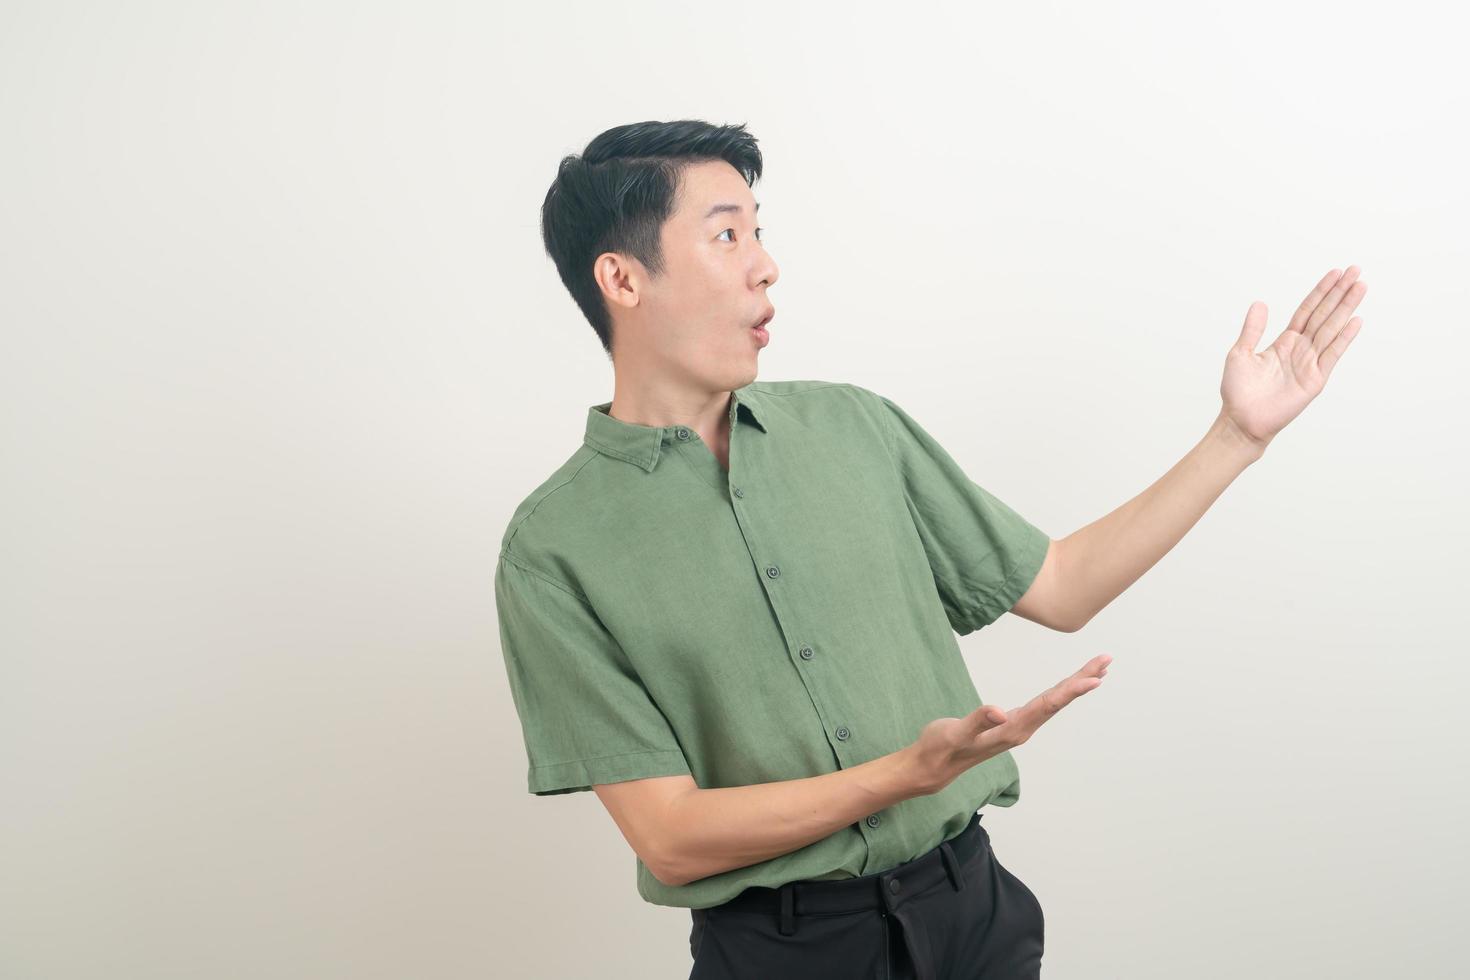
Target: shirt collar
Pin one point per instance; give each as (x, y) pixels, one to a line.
(642, 444)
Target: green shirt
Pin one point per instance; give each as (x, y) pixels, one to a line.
(790, 617)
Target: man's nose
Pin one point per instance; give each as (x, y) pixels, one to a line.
(768, 271)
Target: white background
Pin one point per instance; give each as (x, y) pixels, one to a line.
(282, 351)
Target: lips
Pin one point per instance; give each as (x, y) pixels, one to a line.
(765, 318)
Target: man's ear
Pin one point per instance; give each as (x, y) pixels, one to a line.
(620, 277)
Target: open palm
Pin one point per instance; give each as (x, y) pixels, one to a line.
(1264, 391)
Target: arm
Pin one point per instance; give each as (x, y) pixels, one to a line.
(684, 833)
(1096, 563)
(1042, 600)
(1260, 393)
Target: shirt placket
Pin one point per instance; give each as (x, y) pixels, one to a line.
(767, 561)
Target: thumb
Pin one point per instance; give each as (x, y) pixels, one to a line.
(1255, 325)
(987, 716)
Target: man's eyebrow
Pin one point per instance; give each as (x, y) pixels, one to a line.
(718, 208)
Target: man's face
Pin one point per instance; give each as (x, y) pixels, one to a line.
(697, 319)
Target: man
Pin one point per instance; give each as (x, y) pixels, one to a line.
(731, 612)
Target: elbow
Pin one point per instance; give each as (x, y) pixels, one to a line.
(1072, 624)
(672, 880)
(668, 864)
(671, 865)
(668, 870)
(678, 867)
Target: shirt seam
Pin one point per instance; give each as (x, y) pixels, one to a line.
(884, 423)
(767, 392)
(887, 425)
(818, 386)
(1010, 577)
(600, 758)
(544, 497)
(1004, 586)
(520, 563)
(694, 468)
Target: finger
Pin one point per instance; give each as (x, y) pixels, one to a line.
(1086, 678)
(1036, 712)
(986, 717)
(1330, 356)
(1329, 302)
(1299, 318)
(1329, 330)
(1255, 325)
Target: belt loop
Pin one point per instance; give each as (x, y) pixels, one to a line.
(788, 910)
(951, 865)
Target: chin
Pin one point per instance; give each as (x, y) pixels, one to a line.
(738, 378)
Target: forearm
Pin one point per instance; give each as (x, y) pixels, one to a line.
(715, 830)
(1098, 562)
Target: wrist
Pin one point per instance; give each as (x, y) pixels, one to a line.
(913, 777)
(1226, 433)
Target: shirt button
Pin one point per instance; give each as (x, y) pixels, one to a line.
(874, 820)
(681, 432)
(738, 492)
(893, 885)
(772, 571)
(842, 734)
(806, 653)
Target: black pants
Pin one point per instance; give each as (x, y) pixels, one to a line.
(952, 913)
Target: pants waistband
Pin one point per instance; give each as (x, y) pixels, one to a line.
(883, 890)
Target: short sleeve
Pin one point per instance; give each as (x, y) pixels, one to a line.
(984, 555)
(586, 716)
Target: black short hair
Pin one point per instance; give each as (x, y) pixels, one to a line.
(617, 195)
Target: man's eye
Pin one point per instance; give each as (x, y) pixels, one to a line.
(757, 233)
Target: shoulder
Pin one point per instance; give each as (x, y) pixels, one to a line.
(536, 512)
(852, 413)
(808, 390)
(818, 399)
